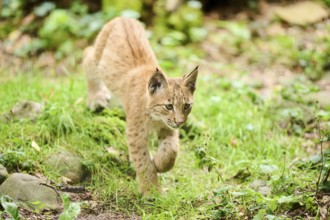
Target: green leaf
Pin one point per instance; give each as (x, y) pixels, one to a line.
(71, 209)
(260, 215)
(271, 204)
(10, 208)
(276, 177)
(197, 34)
(268, 168)
(271, 217)
(130, 14)
(71, 212)
(44, 8)
(239, 30)
(238, 193)
(65, 200)
(286, 199)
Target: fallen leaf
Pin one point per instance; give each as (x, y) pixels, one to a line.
(15, 35)
(35, 145)
(233, 142)
(112, 151)
(92, 204)
(28, 19)
(79, 100)
(65, 180)
(46, 59)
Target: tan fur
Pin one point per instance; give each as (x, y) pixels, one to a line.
(122, 61)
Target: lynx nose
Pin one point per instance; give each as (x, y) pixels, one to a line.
(179, 123)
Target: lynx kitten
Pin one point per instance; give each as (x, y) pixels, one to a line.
(122, 61)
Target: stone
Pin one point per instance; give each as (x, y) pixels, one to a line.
(261, 187)
(322, 97)
(26, 109)
(302, 13)
(27, 191)
(69, 165)
(275, 29)
(3, 173)
(290, 113)
(257, 183)
(264, 190)
(106, 216)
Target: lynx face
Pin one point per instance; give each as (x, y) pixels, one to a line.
(171, 100)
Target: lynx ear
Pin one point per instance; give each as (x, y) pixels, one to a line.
(157, 82)
(190, 79)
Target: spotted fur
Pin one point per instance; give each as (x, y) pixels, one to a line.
(122, 61)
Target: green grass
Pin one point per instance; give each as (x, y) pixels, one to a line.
(233, 137)
(233, 131)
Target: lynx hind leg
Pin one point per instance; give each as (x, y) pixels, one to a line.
(165, 157)
(98, 95)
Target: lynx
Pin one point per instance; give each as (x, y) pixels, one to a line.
(122, 62)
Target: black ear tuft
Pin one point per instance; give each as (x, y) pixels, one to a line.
(190, 79)
(157, 82)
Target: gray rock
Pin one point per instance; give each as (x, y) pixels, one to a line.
(26, 190)
(261, 187)
(3, 173)
(264, 190)
(302, 13)
(106, 216)
(25, 109)
(289, 113)
(257, 183)
(69, 165)
(323, 97)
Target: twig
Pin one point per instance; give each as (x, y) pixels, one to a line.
(322, 157)
(53, 188)
(284, 163)
(220, 176)
(326, 176)
(72, 189)
(4, 51)
(311, 191)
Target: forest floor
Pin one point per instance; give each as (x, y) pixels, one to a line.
(256, 145)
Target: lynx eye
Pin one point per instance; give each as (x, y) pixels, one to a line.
(186, 106)
(169, 106)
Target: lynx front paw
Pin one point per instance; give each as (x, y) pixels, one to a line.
(150, 188)
(99, 100)
(164, 161)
